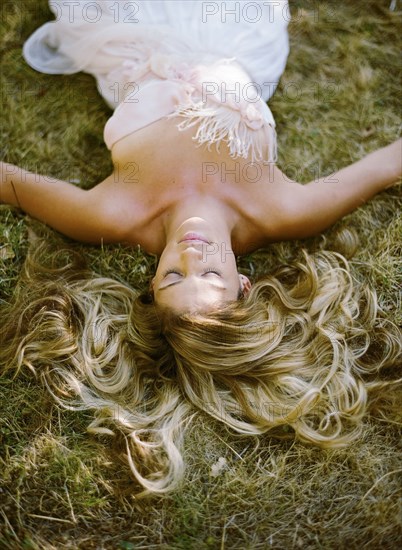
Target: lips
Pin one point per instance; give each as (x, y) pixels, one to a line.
(194, 237)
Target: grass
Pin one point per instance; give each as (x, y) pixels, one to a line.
(60, 488)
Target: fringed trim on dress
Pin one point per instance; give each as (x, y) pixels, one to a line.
(218, 97)
(220, 105)
(221, 124)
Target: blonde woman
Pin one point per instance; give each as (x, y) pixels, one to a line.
(195, 182)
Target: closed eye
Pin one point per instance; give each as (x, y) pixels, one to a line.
(166, 273)
(181, 278)
(205, 272)
(215, 271)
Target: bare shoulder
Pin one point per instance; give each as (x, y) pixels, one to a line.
(119, 202)
(284, 209)
(273, 203)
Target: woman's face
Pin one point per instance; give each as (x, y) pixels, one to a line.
(196, 275)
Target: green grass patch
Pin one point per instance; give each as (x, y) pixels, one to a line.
(60, 488)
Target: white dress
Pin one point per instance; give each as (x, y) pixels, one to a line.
(212, 64)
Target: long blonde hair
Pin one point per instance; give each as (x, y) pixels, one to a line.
(303, 349)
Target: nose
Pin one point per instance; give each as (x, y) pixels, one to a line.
(191, 256)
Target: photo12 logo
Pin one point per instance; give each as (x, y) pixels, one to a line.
(249, 12)
(231, 172)
(93, 12)
(268, 12)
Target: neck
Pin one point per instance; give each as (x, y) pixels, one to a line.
(205, 216)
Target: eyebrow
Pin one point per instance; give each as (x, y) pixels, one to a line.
(222, 288)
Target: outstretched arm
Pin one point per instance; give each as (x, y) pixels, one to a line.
(311, 208)
(79, 214)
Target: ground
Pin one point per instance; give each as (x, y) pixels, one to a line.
(59, 488)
